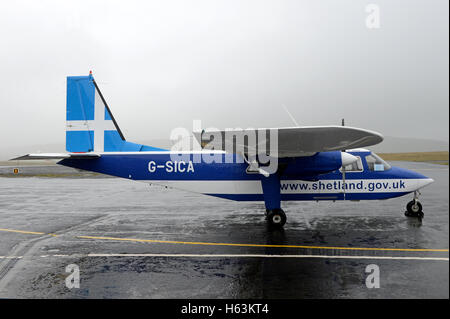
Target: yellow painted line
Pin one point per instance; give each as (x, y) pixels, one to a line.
(26, 232)
(231, 244)
(258, 245)
(21, 231)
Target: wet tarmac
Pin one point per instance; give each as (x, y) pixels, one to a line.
(132, 240)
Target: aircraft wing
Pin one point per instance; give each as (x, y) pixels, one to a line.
(44, 156)
(293, 141)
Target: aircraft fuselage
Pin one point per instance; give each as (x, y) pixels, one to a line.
(227, 177)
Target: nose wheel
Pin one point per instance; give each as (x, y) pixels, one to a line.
(414, 207)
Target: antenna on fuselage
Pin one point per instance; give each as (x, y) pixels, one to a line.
(290, 115)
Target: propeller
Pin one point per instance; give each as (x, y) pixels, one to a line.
(346, 159)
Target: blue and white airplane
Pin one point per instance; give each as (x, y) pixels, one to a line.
(313, 163)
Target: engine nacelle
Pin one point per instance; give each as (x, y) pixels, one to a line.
(320, 163)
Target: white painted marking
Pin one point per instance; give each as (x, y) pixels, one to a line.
(99, 125)
(214, 187)
(239, 256)
(266, 256)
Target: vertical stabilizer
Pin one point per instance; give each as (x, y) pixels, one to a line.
(90, 125)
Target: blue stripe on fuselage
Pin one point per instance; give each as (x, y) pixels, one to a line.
(137, 166)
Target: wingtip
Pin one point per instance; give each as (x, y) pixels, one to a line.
(19, 158)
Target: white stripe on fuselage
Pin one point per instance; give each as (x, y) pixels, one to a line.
(288, 186)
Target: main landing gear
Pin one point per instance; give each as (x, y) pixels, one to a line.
(414, 207)
(276, 217)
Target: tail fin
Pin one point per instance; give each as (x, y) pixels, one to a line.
(90, 124)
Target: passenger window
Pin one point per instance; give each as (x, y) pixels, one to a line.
(354, 167)
(376, 163)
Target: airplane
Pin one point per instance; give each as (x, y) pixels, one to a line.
(313, 163)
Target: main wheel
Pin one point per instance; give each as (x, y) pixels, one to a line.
(276, 217)
(414, 208)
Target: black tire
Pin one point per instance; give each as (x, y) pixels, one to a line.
(420, 215)
(414, 208)
(276, 217)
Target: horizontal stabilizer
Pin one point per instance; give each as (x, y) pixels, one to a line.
(47, 156)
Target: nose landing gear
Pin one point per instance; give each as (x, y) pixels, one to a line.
(414, 207)
(276, 217)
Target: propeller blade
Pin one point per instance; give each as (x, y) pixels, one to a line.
(343, 180)
(347, 159)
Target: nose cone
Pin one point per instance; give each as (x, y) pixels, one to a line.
(347, 158)
(417, 180)
(424, 182)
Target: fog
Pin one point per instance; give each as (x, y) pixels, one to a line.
(162, 64)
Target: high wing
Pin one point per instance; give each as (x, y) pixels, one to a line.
(292, 141)
(44, 156)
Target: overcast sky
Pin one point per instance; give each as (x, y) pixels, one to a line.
(161, 64)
